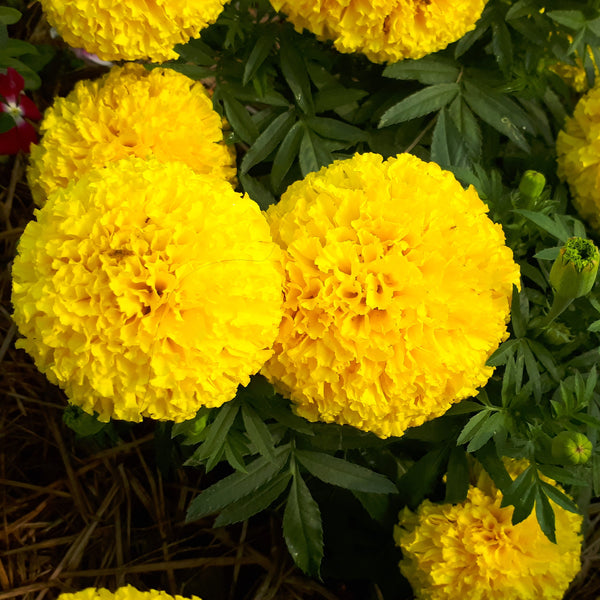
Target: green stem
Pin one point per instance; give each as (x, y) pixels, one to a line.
(559, 305)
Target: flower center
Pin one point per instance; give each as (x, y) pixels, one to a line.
(14, 110)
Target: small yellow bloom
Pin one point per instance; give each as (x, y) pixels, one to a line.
(123, 593)
(145, 289)
(384, 30)
(131, 30)
(578, 150)
(397, 291)
(129, 112)
(472, 550)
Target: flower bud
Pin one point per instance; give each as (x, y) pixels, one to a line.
(572, 447)
(532, 185)
(574, 271)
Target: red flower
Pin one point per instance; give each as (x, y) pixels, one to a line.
(16, 104)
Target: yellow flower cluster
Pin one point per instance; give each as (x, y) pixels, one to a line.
(123, 593)
(472, 550)
(145, 289)
(384, 30)
(578, 150)
(132, 30)
(397, 291)
(129, 112)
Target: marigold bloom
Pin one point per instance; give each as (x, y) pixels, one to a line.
(123, 593)
(129, 111)
(472, 550)
(132, 30)
(145, 289)
(397, 291)
(18, 106)
(578, 150)
(384, 30)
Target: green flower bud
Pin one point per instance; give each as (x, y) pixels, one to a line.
(574, 271)
(532, 185)
(572, 447)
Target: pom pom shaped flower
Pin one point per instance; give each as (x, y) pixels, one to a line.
(129, 112)
(397, 291)
(384, 30)
(145, 289)
(123, 593)
(132, 30)
(472, 550)
(578, 150)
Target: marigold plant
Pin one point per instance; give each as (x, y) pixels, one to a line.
(397, 291)
(127, 592)
(145, 289)
(472, 549)
(384, 30)
(131, 30)
(578, 149)
(129, 111)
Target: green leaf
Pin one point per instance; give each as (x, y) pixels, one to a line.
(464, 407)
(258, 432)
(286, 154)
(294, 71)
(302, 528)
(545, 515)
(423, 102)
(217, 433)
(594, 327)
(193, 430)
(429, 69)
(332, 98)
(467, 125)
(9, 16)
(448, 148)
(502, 46)
(268, 140)
(335, 129)
(531, 366)
(258, 501)
(499, 111)
(377, 505)
(82, 423)
(257, 57)
(234, 453)
(237, 485)
(421, 477)
(503, 353)
(313, 153)
(257, 191)
(240, 120)
(574, 19)
(474, 424)
(545, 357)
(197, 52)
(521, 494)
(554, 227)
(548, 253)
(457, 478)
(561, 475)
(337, 471)
(559, 497)
(488, 429)
(471, 37)
(488, 457)
(286, 417)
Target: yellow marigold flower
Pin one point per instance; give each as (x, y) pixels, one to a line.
(129, 112)
(397, 291)
(123, 593)
(132, 30)
(384, 30)
(145, 289)
(472, 550)
(578, 150)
